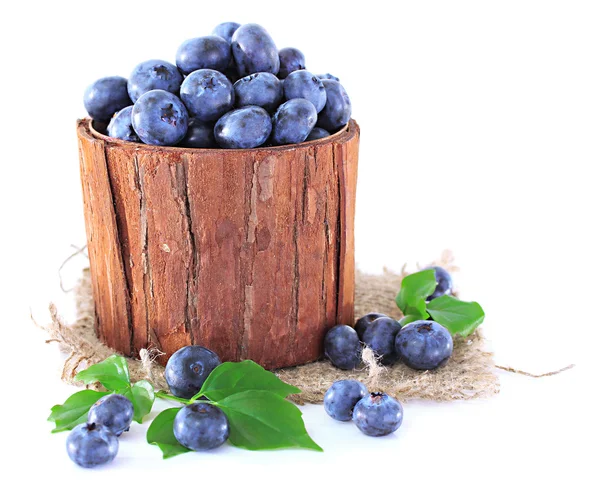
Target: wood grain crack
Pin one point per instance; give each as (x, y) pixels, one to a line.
(191, 303)
(127, 286)
(139, 182)
(338, 169)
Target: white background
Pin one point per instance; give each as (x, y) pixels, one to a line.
(480, 133)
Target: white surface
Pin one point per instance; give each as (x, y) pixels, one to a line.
(480, 125)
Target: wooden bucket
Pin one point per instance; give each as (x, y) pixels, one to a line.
(247, 252)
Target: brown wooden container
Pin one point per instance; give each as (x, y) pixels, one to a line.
(247, 252)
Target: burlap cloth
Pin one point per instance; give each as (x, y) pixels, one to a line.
(469, 374)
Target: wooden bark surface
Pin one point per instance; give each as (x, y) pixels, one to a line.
(247, 252)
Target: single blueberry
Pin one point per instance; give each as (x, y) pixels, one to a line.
(342, 347)
(91, 445)
(120, 126)
(293, 121)
(380, 336)
(153, 74)
(366, 320)
(424, 345)
(337, 110)
(328, 76)
(160, 118)
(210, 52)
(244, 128)
(254, 50)
(225, 30)
(301, 84)
(207, 94)
(261, 89)
(378, 414)
(188, 368)
(341, 398)
(317, 133)
(200, 134)
(105, 97)
(201, 426)
(290, 60)
(444, 283)
(114, 412)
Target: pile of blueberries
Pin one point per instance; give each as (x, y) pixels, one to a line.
(197, 426)
(422, 345)
(232, 89)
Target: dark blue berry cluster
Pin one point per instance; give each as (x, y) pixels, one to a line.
(96, 442)
(423, 344)
(232, 89)
(375, 414)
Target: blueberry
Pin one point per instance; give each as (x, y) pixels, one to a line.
(366, 320)
(210, 52)
(293, 121)
(244, 128)
(290, 60)
(90, 445)
(424, 345)
(120, 126)
(328, 76)
(153, 74)
(304, 85)
(201, 426)
(114, 412)
(207, 94)
(337, 110)
(341, 398)
(262, 89)
(105, 97)
(160, 118)
(378, 414)
(188, 368)
(200, 134)
(225, 30)
(342, 347)
(317, 133)
(254, 50)
(444, 283)
(380, 336)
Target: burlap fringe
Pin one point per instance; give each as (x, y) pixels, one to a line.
(469, 373)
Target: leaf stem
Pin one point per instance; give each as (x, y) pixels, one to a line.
(170, 397)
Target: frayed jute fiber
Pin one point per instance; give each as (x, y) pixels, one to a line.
(470, 372)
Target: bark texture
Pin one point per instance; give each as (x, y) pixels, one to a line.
(247, 252)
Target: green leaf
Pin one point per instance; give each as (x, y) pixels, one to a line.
(407, 319)
(457, 316)
(74, 410)
(160, 433)
(232, 377)
(141, 394)
(112, 373)
(414, 291)
(263, 420)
